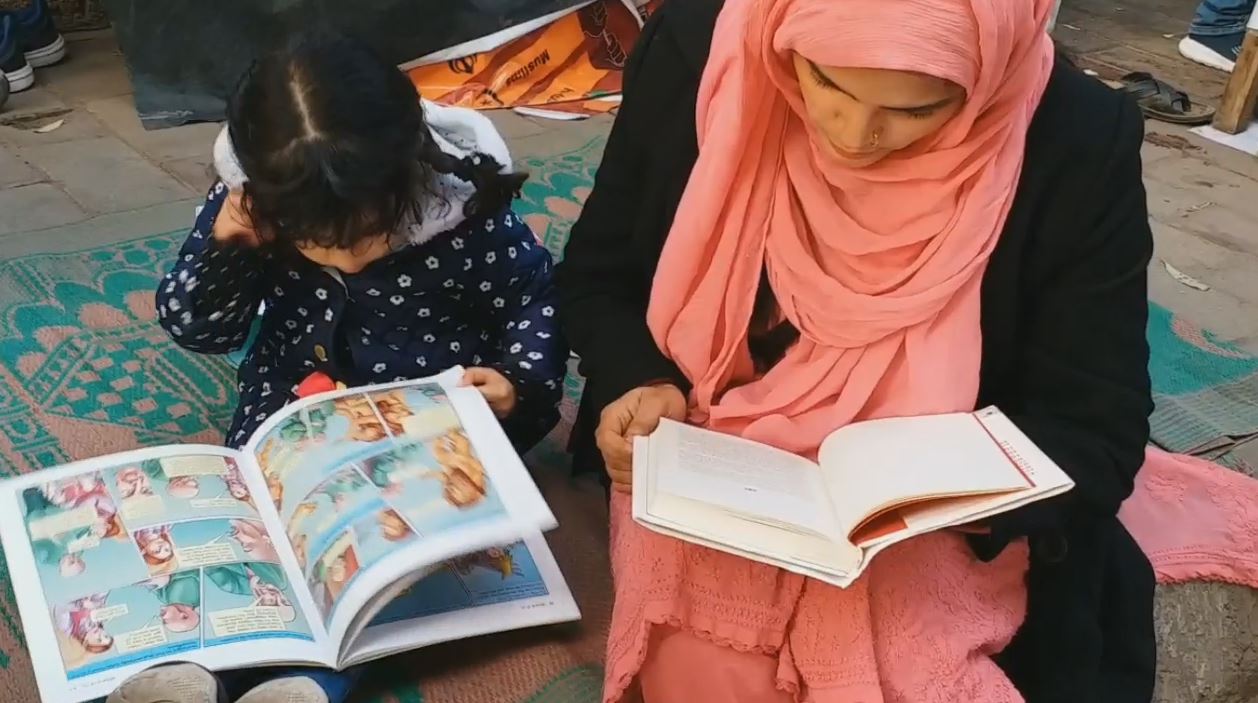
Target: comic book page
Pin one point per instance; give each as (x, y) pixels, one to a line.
(494, 590)
(126, 561)
(418, 471)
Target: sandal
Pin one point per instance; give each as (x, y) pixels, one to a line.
(1161, 101)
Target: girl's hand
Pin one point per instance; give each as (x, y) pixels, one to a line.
(233, 226)
(635, 414)
(497, 390)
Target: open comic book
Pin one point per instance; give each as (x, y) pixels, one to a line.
(353, 525)
(875, 484)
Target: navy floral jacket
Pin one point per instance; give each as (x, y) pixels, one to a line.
(480, 294)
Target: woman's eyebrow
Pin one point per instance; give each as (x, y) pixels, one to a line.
(829, 83)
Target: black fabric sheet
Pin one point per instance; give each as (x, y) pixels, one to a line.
(185, 55)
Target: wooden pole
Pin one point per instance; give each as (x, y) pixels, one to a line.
(1241, 94)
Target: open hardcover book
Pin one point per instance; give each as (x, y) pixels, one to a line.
(875, 483)
(353, 525)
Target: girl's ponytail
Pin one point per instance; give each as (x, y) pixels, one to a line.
(494, 189)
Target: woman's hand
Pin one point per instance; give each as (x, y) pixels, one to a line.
(497, 390)
(233, 225)
(635, 414)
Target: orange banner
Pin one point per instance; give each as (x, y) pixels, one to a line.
(576, 57)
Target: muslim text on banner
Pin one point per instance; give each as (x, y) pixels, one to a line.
(577, 57)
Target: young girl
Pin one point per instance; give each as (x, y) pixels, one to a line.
(377, 230)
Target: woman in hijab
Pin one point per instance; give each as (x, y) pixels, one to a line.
(811, 213)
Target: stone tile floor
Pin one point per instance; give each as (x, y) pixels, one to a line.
(100, 177)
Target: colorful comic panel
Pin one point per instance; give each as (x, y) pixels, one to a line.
(435, 485)
(311, 445)
(182, 545)
(78, 538)
(250, 600)
(497, 575)
(171, 489)
(332, 573)
(331, 507)
(155, 618)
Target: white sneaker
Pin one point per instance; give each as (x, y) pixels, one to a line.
(172, 683)
(292, 689)
(1196, 51)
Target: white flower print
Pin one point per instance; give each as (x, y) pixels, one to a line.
(216, 316)
(404, 281)
(499, 303)
(543, 335)
(321, 293)
(515, 348)
(506, 220)
(486, 286)
(219, 188)
(456, 243)
(489, 225)
(535, 356)
(430, 338)
(422, 361)
(366, 341)
(186, 318)
(526, 299)
(467, 264)
(548, 311)
(525, 365)
(455, 346)
(294, 275)
(279, 292)
(491, 257)
(448, 283)
(183, 275)
(396, 299)
(327, 314)
(173, 304)
(525, 324)
(170, 288)
(432, 263)
(309, 329)
(290, 324)
(191, 284)
(303, 312)
(527, 246)
(425, 312)
(511, 252)
(373, 292)
(379, 368)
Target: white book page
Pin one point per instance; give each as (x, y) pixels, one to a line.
(374, 484)
(872, 466)
(703, 523)
(498, 589)
(741, 477)
(130, 560)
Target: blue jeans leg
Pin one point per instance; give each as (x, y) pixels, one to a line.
(337, 684)
(1218, 17)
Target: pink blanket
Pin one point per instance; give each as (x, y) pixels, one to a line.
(1195, 520)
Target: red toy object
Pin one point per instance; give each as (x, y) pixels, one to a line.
(316, 383)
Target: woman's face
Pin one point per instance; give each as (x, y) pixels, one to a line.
(865, 114)
(98, 638)
(160, 549)
(179, 617)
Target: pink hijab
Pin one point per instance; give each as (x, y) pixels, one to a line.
(879, 268)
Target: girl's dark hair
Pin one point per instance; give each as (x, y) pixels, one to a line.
(334, 144)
